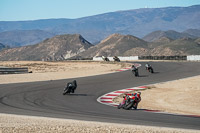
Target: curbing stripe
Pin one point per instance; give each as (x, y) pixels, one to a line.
(107, 99)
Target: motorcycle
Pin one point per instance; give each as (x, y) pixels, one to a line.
(150, 69)
(115, 58)
(135, 71)
(105, 58)
(128, 103)
(70, 88)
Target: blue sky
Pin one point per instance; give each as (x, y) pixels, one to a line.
(16, 10)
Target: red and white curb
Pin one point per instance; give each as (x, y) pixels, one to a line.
(108, 98)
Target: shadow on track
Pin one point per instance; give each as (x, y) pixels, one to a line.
(76, 95)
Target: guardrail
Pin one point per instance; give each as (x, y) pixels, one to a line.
(8, 70)
(130, 58)
(193, 57)
(162, 57)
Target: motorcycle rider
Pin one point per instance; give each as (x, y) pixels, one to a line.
(115, 58)
(72, 86)
(134, 69)
(147, 66)
(137, 96)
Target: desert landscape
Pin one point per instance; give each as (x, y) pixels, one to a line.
(42, 71)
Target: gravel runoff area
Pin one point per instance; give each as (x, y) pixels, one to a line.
(22, 124)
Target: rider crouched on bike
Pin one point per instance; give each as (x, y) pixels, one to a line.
(137, 96)
(72, 86)
(147, 66)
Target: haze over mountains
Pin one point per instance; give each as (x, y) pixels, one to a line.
(138, 22)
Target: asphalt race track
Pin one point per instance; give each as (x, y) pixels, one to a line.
(46, 99)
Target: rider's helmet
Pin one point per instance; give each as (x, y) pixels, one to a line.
(139, 93)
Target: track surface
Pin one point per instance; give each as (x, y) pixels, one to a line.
(46, 99)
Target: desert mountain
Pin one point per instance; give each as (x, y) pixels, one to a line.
(170, 34)
(194, 32)
(116, 44)
(128, 45)
(23, 37)
(137, 22)
(2, 46)
(57, 48)
(183, 46)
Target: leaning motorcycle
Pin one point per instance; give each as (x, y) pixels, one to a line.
(135, 72)
(67, 90)
(115, 58)
(150, 69)
(128, 104)
(70, 88)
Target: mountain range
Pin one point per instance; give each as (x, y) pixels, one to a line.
(56, 48)
(137, 22)
(74, 46)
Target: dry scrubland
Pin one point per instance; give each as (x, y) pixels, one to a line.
(179, 91)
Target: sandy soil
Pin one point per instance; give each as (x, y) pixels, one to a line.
(179, 96)
(170, 97)
(42, 71)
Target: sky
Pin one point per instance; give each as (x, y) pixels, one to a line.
(20, 10)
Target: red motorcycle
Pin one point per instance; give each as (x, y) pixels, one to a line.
(130, 101)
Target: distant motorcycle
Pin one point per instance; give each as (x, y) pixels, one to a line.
(149, 68)
(135, 71)
(105, 58)
(70, 87)
(115, 58)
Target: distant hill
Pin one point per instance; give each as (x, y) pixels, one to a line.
(74, 46)
(116, 45)
(137, 22)
(183, 46)
(170, 34)
(2, 46)
(23, 37)
(57, 48)
(128, 45)
(194, 32)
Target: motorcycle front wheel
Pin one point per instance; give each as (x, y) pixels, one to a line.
(128, 106)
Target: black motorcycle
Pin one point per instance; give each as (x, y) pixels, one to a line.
(70, 87)
(115, 58)
(150, 69)
(135, 71)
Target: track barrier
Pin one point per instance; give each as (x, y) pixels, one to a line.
(131, 58)
(8, 70)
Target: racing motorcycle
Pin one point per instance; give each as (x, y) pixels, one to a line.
(70, 88)
(115, 58)
(135, 71)
(150, 69)
(128, 103)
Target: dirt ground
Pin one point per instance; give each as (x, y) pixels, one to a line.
(178, 97)
(171, 97)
